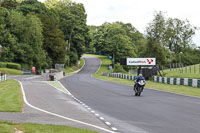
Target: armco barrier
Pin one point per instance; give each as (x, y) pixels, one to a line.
(178, 81)
(2, 77)
(122, 76)
(165, 80)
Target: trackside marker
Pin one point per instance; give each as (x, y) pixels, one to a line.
(101, 118)
(108, 123)
(113, 128)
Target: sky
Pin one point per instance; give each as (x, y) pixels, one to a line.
(141, 12)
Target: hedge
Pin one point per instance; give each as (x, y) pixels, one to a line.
(3, 65)
(10, 65)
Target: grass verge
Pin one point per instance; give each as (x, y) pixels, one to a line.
(105, 62)
(11, 71)
(7, 127)
(69, 70)
(192, 71)
(179, 89)
(10, 96)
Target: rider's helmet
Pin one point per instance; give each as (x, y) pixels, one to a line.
(140, 76)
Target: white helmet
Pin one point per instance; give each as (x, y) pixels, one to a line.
(140, 75)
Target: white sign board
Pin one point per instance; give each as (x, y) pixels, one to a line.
(141, 61)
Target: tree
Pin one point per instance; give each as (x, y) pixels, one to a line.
(54, 43)
(7, 40)
(172, 34)
(156, 30)
(154, 49)
(24, 42)
(179, 34)
(112, 39)
(73, 24)
(9, 4)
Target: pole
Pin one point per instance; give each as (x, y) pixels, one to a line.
(113, 61)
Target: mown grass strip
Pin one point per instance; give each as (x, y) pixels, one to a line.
(8, 127)
(10, 96)
(11, 71)
(179, 89)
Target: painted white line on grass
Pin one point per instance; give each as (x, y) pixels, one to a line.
(64, 88)
(58, 89)
(60, 116)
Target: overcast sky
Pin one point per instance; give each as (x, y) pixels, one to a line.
(140, 12)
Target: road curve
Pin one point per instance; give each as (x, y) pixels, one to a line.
(153, 112)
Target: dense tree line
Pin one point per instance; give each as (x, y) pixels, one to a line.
(165, 38)
(43, 34)
(37, 34)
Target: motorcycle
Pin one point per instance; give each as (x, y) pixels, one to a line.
(139, 87)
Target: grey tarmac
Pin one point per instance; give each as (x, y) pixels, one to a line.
(46, 97)
(153, 112)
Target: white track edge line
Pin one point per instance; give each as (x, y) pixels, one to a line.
(77, 121)
(64, 88)
(68, 93)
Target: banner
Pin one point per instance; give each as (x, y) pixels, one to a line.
(141, 61)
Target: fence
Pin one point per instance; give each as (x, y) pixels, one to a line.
(123, 76)
(172, 81)
(2, 77)
(178, 81)
(195, 69)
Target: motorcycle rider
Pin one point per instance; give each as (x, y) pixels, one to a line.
(137, 79)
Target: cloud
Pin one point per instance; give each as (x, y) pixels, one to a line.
(140, 12)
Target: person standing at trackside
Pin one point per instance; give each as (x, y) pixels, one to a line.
(137, 79)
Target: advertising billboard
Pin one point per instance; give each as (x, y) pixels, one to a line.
(141, 61)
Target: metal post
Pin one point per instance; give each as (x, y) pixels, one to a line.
(180, 61)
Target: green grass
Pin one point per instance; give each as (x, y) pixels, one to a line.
(10, 96)
(188, 72)
(58, 86)
(7, 127)
(69, 70)
(179, 89)
(104, 66)
(11, 71)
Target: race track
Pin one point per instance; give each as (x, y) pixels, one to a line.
(153, 112)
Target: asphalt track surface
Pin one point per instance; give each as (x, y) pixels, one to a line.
(153, 112)
(45, 97)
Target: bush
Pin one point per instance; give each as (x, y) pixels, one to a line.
(10, 65)
(3, 65)
(118, 68)
(14, 66)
